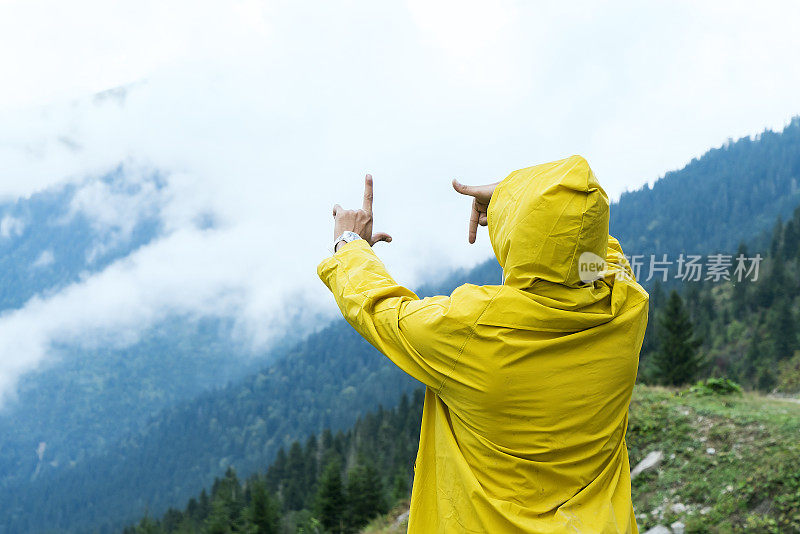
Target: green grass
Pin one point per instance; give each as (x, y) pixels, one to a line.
(750, 484)
(395, 522)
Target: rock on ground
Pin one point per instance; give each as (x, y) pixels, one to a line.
(401, 519)
(650, 461)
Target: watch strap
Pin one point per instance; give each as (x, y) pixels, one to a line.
(347, 237)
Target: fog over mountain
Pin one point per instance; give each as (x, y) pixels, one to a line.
(230, 133)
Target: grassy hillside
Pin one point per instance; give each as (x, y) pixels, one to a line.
(730, 463)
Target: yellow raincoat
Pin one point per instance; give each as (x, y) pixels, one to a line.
(529, 382)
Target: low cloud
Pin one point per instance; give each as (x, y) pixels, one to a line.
(238, 128)
(45, 259)
(115, 206)
(11, 227)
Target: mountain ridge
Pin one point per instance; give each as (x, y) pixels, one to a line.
(335, 394)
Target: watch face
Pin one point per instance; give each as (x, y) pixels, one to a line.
(350, 236)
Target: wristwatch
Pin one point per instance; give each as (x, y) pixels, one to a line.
(346, 237)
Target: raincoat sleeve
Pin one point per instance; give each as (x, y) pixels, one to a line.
(420, 336)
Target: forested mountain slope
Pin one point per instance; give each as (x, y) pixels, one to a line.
(353, 474)
(113, 467)
(705, 444)
(730, 194)
(85, 396)
(56, 236)
(327, 381)
(75, 408)
(742, 337)
(747, 330)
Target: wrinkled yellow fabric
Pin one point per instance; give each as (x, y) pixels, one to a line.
(529, 382)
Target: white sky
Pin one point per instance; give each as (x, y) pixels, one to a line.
(267, 113)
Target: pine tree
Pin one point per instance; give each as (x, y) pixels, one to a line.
(782, 329)
(294, 491)
(777, 233)
(204, 506)
(400, 487)
(276, 472)
(748, 366)
(311, 468)
(191, 508)
(365, 497)
(330, 499)
(226, 505)
(765, 381)
(677, 360)
(657, 295)
(147, 526)
(790, 240)
(264, 512)
(739, 298)
(219, 520)
(171, 520)
(656, 303)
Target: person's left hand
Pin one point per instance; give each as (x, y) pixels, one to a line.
(481, 196)
(358, 221)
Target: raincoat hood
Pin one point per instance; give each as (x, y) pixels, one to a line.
(527, 383)
(542, 218)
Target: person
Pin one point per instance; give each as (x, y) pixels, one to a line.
(528, 383)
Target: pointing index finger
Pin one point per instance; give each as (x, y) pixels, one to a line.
(474, 219)
(367, 206)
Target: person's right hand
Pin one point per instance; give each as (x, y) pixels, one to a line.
(481, 196)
